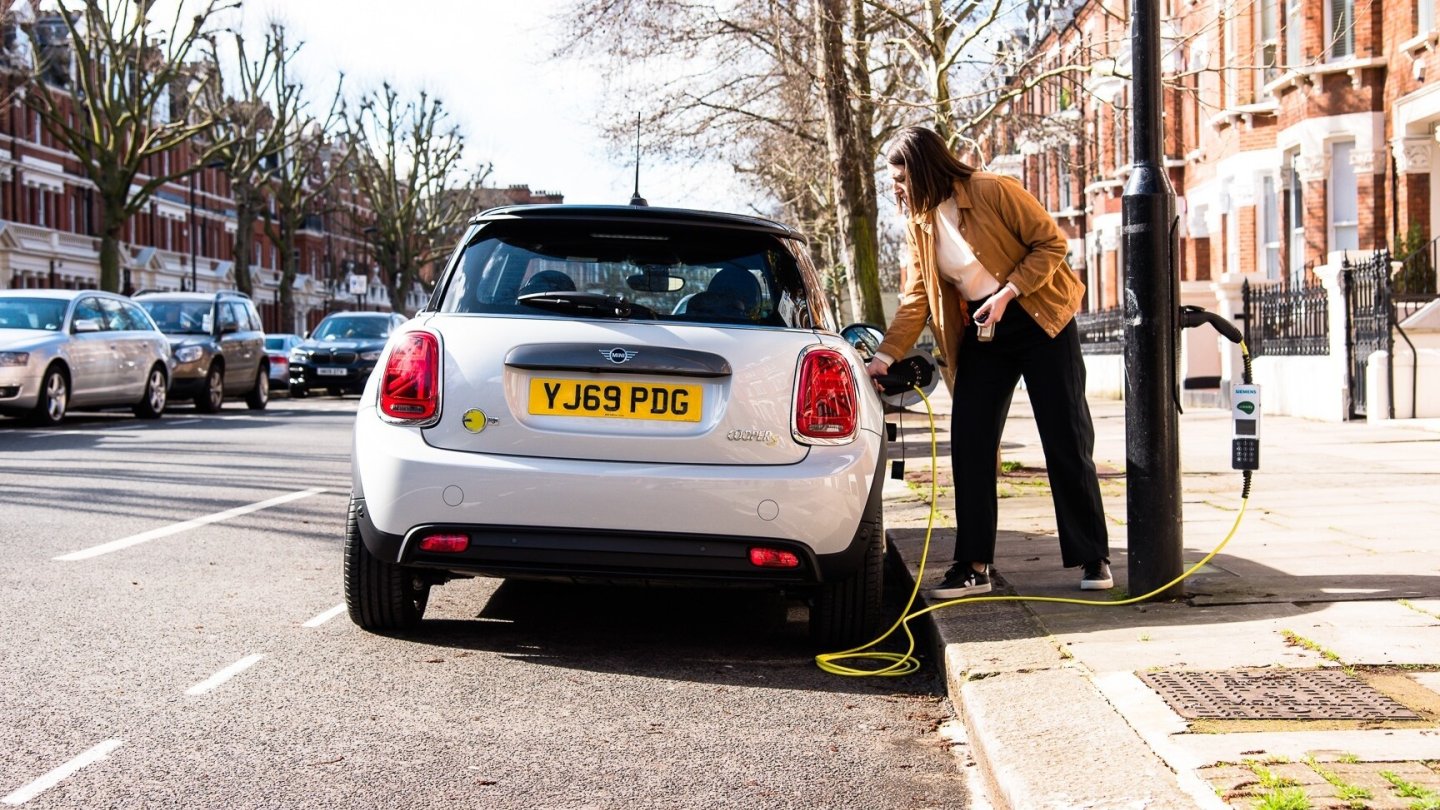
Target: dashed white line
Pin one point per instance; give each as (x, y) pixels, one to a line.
(53, 778)
(326, 616)
(176, 528)
(224, 675)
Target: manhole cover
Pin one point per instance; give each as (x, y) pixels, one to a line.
(1303, 694)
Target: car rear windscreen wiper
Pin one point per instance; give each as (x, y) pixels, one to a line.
(579, 303)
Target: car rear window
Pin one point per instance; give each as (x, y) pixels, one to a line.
(676, 273)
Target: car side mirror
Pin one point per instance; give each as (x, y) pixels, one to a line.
(865, 338)
(86, 325)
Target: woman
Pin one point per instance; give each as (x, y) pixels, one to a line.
(987, 268)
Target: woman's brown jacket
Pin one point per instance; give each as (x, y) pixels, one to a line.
(1016, 240)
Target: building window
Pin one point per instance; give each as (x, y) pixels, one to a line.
(1269, 228)
(1340, 28)
(1344, 198)
(1294, 34)
(1268, 48)
(1228, 51)
(1295, 207)
(1424, 16)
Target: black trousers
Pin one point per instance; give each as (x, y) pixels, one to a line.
(1054, 372)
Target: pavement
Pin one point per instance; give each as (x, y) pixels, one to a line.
(1326, 602)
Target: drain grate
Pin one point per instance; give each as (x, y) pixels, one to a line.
(1248, 694)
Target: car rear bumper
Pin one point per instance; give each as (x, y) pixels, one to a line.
(598, 512)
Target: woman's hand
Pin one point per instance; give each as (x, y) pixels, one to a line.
(875, 368)
(993, 309)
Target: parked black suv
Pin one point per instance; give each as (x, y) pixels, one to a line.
(218, 346)
(340, 354)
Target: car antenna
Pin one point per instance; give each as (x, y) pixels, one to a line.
(636, 199)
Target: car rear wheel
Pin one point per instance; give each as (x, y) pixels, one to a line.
(846, 612)
(54, 398)
(259, 396)
(152, 404)
(381, 597)
(214, 396)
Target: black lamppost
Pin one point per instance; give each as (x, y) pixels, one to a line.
(372, 240)
(1152, 445)
(194, 261)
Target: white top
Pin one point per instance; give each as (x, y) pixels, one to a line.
(954, 258)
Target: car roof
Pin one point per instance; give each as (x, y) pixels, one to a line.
(635, 214)
(352, 314)
(59, 295)
(192, 296)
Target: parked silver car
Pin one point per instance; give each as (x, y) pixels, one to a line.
(63, 349)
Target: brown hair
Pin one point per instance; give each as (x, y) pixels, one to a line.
(931, 169)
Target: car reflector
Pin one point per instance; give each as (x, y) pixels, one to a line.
(445, 543)
(773, 558)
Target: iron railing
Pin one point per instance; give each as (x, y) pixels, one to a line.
(1413, 284)
(1369, 320)
(1286, 321)
(1101, 332)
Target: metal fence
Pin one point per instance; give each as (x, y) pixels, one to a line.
(1413, 284)
(1286, 321)
(1369, 320)
(1101, 332)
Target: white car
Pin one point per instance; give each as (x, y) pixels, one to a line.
(555, 412)
(64, 349)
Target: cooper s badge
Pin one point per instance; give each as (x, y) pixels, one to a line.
(769, 437)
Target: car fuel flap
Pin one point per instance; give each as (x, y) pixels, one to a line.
(626, 392)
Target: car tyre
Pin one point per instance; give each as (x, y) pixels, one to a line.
(259, 396)
(298, 391)
(213, 398)
(54, 398)
(846, 612)
(381, 597)
(152, 404)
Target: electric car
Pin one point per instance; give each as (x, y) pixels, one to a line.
(555, 413)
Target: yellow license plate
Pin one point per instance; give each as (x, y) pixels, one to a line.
(618, 400)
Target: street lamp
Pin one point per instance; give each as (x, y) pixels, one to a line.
(194, 261)
(372, 240)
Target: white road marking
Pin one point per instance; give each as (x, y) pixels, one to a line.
(176, 528)
(224, 675)
(326, 616)
(53, 778)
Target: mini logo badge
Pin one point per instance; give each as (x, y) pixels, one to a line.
(618, 355)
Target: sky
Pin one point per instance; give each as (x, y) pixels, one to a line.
(535, 118)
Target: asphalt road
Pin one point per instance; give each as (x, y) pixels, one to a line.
(172, 636)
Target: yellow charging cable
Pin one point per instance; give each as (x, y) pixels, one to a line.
(906, 663)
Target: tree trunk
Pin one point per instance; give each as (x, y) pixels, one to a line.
(244, 233)
(944, 114)
(110, 256)
(857, 228)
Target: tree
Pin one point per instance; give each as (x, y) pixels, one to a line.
(129, 100)
(245, 131)
(744, 82)
(407, 165)
(303, 167)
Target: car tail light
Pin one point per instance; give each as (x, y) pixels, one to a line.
(445, 543)
(773, 558)
(410, 385)
(826, 406)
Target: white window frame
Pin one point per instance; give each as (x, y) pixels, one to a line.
(1341, 170)
(1424, 16)
(1295, 204)
(1267, 48)
(1294, 34)
(1339, 45)
(1268, 256)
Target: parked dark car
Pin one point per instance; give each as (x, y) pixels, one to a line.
(340, 354)
(218, 345)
